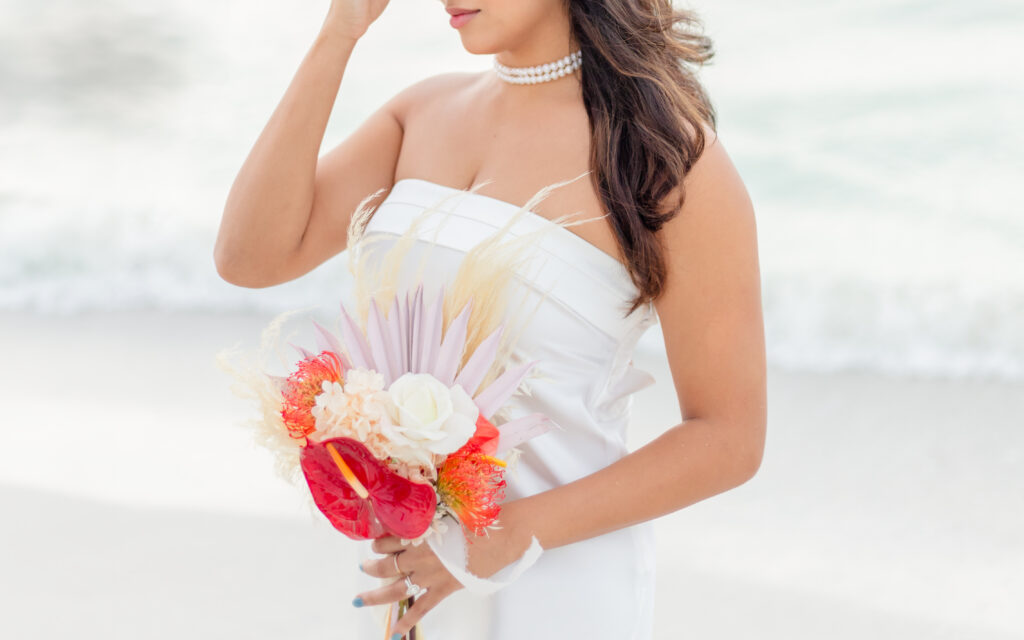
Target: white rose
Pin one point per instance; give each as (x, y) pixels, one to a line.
(427, 417)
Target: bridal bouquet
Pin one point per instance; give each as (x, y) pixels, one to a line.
(396, 422)
(391, 434)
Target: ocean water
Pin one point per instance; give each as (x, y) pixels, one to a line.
(880, 141)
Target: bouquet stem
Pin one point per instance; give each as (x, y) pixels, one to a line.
(412, 632)
(403, 607)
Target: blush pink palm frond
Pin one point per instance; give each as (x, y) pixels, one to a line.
(409, 340)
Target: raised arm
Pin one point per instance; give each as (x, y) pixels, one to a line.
(288, 210)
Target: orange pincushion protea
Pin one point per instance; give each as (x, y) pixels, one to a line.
(301, 389)
(472, 485)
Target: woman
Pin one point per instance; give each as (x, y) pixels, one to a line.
(676, 244)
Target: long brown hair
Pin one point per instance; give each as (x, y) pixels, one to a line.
(647, 111)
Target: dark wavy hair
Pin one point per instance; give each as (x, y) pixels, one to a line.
(647, 115)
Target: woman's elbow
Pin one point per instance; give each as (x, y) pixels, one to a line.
(227, 265)
(751, 450)
(234, 269)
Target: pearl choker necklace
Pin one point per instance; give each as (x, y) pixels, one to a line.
(540, 72)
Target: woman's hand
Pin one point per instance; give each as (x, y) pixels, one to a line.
(422, 567)
(351, 18)
(486, 556)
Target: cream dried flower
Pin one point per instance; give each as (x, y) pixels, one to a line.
(354, 410)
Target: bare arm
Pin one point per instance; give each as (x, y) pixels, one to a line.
(712, 320)
(288, 211)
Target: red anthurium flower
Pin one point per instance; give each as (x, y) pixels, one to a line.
(394, 505)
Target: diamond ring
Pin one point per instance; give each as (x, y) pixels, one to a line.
(412, 589)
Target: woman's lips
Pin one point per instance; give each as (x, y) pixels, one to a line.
(460, 19)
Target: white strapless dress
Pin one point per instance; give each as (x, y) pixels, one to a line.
(601, 588)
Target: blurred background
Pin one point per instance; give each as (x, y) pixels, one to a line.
(881, 144)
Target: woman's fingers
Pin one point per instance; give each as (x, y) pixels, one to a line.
(423, 604)
(388, 593)
(437, 580)
(423, 569)
(389, 566)
(387, 544)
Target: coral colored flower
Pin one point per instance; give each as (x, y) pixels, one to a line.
(472, 487)
(301, 389)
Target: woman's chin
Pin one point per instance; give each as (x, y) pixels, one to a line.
(476, 48)
(478, 45)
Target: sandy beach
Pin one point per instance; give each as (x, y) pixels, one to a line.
(136, 506)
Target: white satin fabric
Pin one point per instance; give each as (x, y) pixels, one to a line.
(601, 588)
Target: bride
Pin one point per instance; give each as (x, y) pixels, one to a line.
(599, 86)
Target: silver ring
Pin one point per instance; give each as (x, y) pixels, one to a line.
(412, 589)
(396, 565)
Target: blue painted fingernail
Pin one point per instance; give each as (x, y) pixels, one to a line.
(361, 567)
(358, 602)
(397, 636)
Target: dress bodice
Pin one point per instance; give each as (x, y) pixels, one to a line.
(579, 332)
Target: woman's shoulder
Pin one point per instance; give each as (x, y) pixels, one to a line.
(712, 171)
(433, 91)
(716, 203)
